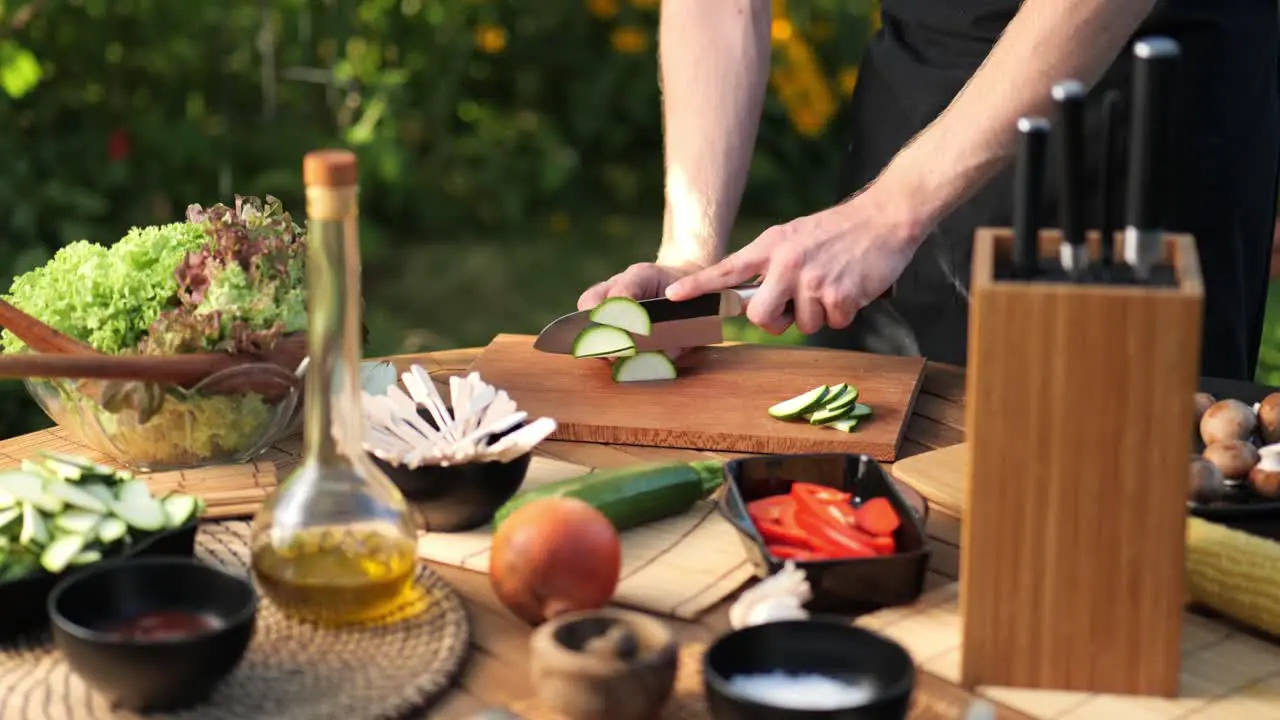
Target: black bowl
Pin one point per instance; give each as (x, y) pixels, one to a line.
(458, 497)
(152, 674)
(853, 585)
(833, 649)
(25, 600)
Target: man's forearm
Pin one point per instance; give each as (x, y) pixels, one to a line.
(714, 59)
(1047, 41)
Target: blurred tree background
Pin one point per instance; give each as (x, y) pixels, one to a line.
(510, 151)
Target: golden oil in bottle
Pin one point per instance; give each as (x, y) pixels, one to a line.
(340, 575)
(334, 543)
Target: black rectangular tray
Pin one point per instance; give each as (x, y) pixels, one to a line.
(853, 585)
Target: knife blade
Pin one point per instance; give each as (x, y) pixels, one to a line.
(676, 325)
(1073, 252)
(1155, 63)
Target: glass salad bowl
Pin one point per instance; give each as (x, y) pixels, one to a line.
(151, 427)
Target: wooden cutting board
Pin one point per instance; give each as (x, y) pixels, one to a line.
(938, 475)
(717, 403)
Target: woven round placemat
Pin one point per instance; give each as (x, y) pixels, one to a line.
(292, 670)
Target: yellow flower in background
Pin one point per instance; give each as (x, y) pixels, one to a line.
(559, 222)
(782, 30)
(875, 18)
(847, 79)
(779, 8)
(803, 87)
(603, 9)
(491, 38)
(629, 40)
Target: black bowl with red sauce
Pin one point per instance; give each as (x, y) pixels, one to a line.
(153, 634)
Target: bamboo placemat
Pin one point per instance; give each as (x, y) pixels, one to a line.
(677, 567)
(1226, 674)
(230, 491)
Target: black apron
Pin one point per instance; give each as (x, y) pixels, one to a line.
(1224, 191)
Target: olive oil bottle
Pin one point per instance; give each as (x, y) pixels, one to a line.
(334, 543)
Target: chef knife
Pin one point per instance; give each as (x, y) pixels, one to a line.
(1155, 62)
(1028, 185)
(1073, 252)
(1109, 168)
(687, 324)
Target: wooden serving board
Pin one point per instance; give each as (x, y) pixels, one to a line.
(717, 403)
(677, 567)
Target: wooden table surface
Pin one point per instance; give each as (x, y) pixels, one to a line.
(498, 671)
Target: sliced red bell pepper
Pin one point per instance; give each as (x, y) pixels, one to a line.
(783, 533)
(788, 552)
(826, 533)
(821, 492)
(877, 517)
(768, 508)
(882, 544)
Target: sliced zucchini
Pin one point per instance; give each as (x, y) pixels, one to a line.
(624, 314)
(80, 522)
(826, 415)
(86, 557)
(859, 411)
(793, 408)
(7, 500)
(112, 529)
(145, 514)
(21, 486)
(34, 530)
(98, 490)
(843, 401)
(75, 497)
(133, 491)
(845, 424)
(179, 509)
(10, 518)
(599, 341)
(64, 470)
(31, 467)
(59, 554)
(644, 367)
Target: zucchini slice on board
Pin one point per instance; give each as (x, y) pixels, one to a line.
(859, 411)
(846, 424)
(643, 367)
(599, 341)
(624, 314)
(843, 401)
(826, 415)
(793, 408)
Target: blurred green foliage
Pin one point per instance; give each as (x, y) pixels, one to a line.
(491, 117)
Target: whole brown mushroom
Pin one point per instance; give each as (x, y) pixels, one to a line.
(1264, 478)
(1207, 484)
(1227, 420)
(1204, 401)
(1269, 418)
(1235, 458)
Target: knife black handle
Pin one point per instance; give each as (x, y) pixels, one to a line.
(1154, 82)
(1028, 186)
(1109, 168)
(1069, 129)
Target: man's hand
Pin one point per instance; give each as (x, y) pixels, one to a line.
(831, 264)
(642, 281)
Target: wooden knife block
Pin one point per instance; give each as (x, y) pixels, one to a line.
(1079, 424)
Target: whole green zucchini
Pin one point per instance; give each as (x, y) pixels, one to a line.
(633, 495)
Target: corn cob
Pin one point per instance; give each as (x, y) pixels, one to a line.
(1235, 573)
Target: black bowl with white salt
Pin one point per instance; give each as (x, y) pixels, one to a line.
(807, 669)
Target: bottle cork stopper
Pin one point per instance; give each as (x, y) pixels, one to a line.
(329, 168)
